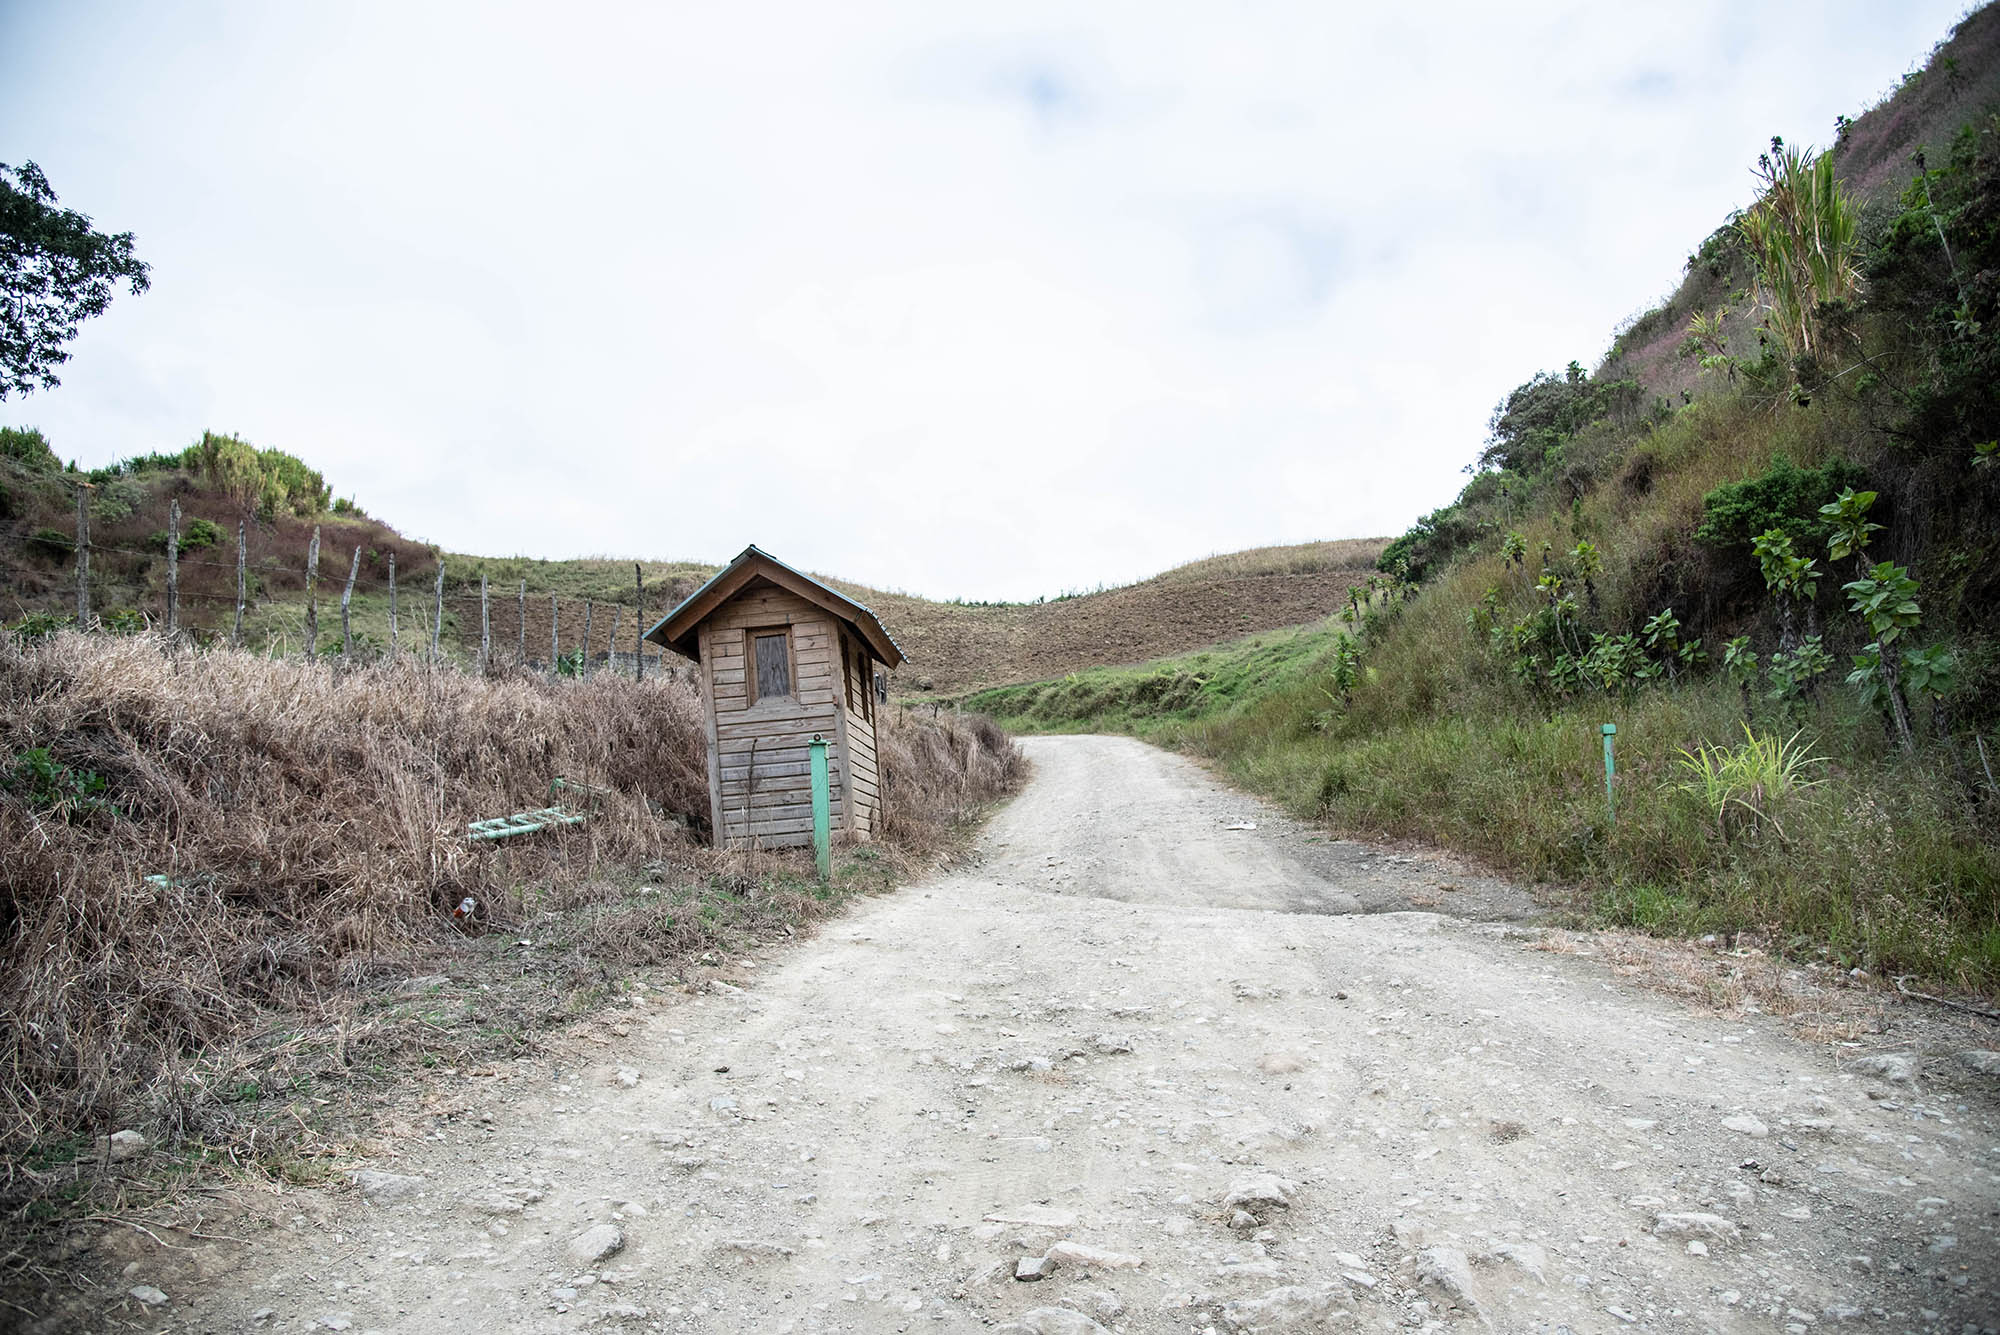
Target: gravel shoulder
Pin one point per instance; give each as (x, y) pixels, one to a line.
(1176, 1077)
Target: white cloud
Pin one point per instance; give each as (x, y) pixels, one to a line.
(988, 301)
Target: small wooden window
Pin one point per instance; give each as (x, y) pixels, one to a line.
(771, 655)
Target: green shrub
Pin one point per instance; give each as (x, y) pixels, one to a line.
(198, 534)
(28, 446)
(1786, 498)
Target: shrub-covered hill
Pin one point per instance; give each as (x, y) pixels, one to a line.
(1762, 538)
(591, 605)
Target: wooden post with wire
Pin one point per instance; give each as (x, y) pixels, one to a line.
(611, 650)
(485, 627)
(83, 490)
(437, 617)
(392, 603)
(639, 623)
(555, 638)
(522, 614)
(312, 596)
(242, 584)
(173, 567)
(346, 597)
(586, 635)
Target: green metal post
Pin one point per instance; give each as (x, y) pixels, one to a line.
(822, 812)
(1610, 731)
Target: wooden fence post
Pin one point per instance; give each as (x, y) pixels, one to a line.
(611, 650)
(485, 627)
(312, 596)
(586, 635)
(173, 567)
(522, 613)
(346, 597)
(555, 638)
(437, 619)
(392, 603)
(236, 631)
(83, 490)
(639, 624)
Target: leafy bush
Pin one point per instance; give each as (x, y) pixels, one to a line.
(53, 788)
(28, 446)
(198, 534)
(117, 497)
(1786, 498)
(270, 480)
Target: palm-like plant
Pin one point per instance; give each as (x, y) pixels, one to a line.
(1804, 235)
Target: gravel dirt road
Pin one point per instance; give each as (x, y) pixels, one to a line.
(1142, 1072)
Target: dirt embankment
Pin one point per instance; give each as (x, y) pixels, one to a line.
(963, 648)
(1147, 1070)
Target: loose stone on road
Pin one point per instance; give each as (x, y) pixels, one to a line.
(1139, 1072)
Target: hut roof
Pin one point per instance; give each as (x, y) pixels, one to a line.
(678, 629)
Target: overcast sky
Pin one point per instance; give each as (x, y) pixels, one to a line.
(988, 300)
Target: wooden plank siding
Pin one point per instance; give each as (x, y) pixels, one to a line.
(759, 762)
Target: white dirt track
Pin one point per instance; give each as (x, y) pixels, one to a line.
(1121, 1016)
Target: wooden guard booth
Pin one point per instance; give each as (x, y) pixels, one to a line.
(783, 659)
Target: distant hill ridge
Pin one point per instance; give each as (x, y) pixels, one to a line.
(953, 646)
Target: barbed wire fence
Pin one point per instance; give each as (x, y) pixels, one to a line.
(583, 655)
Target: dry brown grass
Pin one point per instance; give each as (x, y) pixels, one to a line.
(311, 820)
(1304, 558)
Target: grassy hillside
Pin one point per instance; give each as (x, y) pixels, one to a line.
(1644, 545)
(953, 646)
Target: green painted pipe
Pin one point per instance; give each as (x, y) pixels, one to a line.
(822, 812)
(1610, 731)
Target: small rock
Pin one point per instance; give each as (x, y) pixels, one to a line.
(1241, 1220)
(722, 1103)
(597, 1243)
(337, 1322)
(1447, 1268)
(1293, 1307)
(754, 1249)
(1706, 1225)
(1529, 1256)
(1034, 1216)
(1898, 1068)
(1102, 1304)
(1259, 1191)
(1032, 1268)
(1748, 1125)
(121, 1145)
(1697, 1247)
(263, 1314)
(1060, 1321)
(149, 1295)
(1280, 1063)
(1076, 1253)
(379, 1188)
(1981, 1060)
(627, 1077)
(1112, 1044)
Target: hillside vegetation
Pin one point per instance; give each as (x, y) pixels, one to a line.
(589, 606)
(1767, 554)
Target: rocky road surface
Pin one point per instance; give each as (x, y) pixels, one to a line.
(1138, 1071)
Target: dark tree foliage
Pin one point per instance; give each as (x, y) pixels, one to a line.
(1539, 416)
(55, 273)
